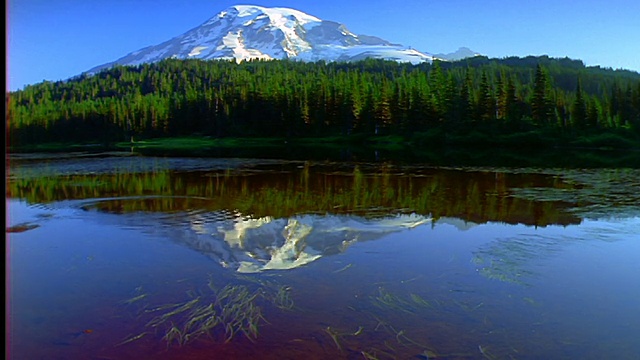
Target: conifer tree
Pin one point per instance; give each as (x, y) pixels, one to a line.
(578, 109)
(539, 110)
(486, 102)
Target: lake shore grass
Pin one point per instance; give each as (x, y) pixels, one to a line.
(437, 137)
(472, 148)
(421, 140)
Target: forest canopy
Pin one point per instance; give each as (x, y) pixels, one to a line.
(561, 98)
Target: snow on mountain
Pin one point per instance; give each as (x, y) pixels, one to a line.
(246, 32)
(248, 245)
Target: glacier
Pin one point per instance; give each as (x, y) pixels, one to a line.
(246, 32)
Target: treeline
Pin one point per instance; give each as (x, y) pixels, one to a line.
(296, 99)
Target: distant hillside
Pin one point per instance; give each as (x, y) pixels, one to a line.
(460, 54)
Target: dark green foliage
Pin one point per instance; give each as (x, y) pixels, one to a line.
(539, 102)
(470, 99)
(579, 109)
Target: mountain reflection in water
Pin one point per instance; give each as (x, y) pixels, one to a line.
(247, 244)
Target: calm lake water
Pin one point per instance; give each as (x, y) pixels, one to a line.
(183, 258)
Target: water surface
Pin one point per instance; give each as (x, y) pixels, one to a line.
(182, 258)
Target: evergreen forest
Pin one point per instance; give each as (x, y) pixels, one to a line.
(506, 102)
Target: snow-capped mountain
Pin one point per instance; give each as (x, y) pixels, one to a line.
(253, 32)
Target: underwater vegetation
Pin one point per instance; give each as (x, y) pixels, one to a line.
(218, 313)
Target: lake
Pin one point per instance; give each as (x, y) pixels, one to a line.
(130, 257)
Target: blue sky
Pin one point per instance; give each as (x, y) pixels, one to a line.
(57, 39)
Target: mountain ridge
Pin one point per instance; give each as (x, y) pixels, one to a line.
(460, 54)
(244, 32)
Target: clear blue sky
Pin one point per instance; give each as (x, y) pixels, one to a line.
(57, 39)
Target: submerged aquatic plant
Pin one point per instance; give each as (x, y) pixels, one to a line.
(283, 298)
(132, 338)
(390, 301)
(227, 312)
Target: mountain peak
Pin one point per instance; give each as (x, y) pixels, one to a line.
(274, 13)
(244, 32)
